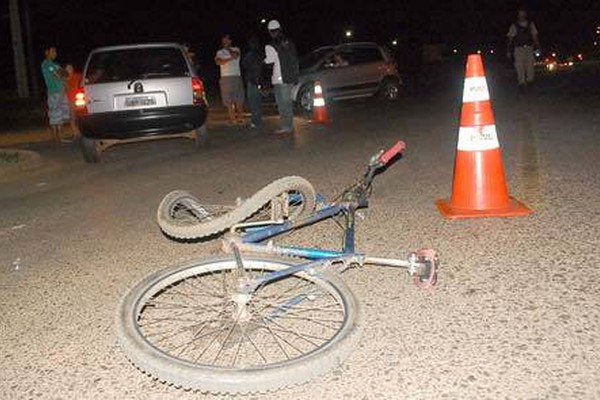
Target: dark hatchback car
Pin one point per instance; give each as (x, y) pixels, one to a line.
(139, 92)
(347, 71)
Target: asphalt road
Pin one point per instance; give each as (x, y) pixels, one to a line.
(516, 312)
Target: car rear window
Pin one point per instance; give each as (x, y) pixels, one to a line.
(130, 64)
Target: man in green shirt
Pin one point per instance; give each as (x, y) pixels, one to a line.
(58, 104)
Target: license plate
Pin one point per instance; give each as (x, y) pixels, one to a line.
(140, 101)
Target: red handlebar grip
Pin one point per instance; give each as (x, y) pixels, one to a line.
(392, 152)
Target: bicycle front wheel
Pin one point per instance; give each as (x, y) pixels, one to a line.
(186, 325)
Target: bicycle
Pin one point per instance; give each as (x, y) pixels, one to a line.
(241, 323)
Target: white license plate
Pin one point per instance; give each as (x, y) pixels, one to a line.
(140, 101)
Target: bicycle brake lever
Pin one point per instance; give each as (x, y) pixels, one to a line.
(375, 159)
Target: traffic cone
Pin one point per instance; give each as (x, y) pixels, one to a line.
(479, 188)
(320, 115)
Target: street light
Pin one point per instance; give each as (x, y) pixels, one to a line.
(395, 42)
(348, 33)
(263, 21)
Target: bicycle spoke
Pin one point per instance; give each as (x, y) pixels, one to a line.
(254, 345)
(237, 352)
(313, 320)
(218, 333)
(277, 337)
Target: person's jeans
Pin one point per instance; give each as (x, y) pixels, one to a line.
(283, 97)
(524, 64)
(254, 103)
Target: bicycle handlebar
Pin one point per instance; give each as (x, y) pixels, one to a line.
(392, 152)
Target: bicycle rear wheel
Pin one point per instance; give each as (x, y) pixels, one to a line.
(183, 216)
(183, 325)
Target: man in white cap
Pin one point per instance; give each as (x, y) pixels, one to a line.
(281, 52)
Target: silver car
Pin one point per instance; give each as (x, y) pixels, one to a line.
(346, 71)
(138, 92)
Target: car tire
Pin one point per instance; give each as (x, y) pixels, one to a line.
(90, 150)
(390, 89)
(201, 137)
(304, 99)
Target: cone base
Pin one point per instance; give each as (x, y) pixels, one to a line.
(514, 209)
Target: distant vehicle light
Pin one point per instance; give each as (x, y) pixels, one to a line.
(492, 51)
(455, 51)
(348, 33)
(478, 51)
(580, 57)
(553, 54)
(570, 63)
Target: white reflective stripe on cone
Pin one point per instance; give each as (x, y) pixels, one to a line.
(319, 102)
(475, 89)
(477, 138)
(318, 89)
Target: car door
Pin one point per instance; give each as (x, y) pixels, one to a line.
(368, 62)
(335, 75)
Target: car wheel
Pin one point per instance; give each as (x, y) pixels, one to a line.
(90, 150)
(390, 90)
(304, 100)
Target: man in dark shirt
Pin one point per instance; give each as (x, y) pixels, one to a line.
(252, 65)
(523, 40)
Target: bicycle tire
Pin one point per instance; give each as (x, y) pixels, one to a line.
(188, 375)
(248, 208)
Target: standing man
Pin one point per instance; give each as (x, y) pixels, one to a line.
(522, 43)
(232, 86)
(252, 64)
(58, 104)
(284, 57)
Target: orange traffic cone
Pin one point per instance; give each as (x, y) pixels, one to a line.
(320, 115)
(479, 188)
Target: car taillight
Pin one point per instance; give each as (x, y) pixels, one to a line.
(79, 98)
(198, 89)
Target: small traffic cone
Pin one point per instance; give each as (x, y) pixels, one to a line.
(479, 188)
(320, 114)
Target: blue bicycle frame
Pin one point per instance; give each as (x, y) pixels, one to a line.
(252, 236)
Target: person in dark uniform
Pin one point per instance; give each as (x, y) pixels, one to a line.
(522, 43)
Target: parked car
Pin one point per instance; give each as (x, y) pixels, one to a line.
(139, 92)
(346, 71)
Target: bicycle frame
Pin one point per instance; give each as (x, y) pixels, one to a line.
(252, 235)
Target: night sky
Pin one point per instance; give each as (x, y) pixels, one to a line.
(77, 26)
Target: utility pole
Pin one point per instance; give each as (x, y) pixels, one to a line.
(34, 89)
(18, 50)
